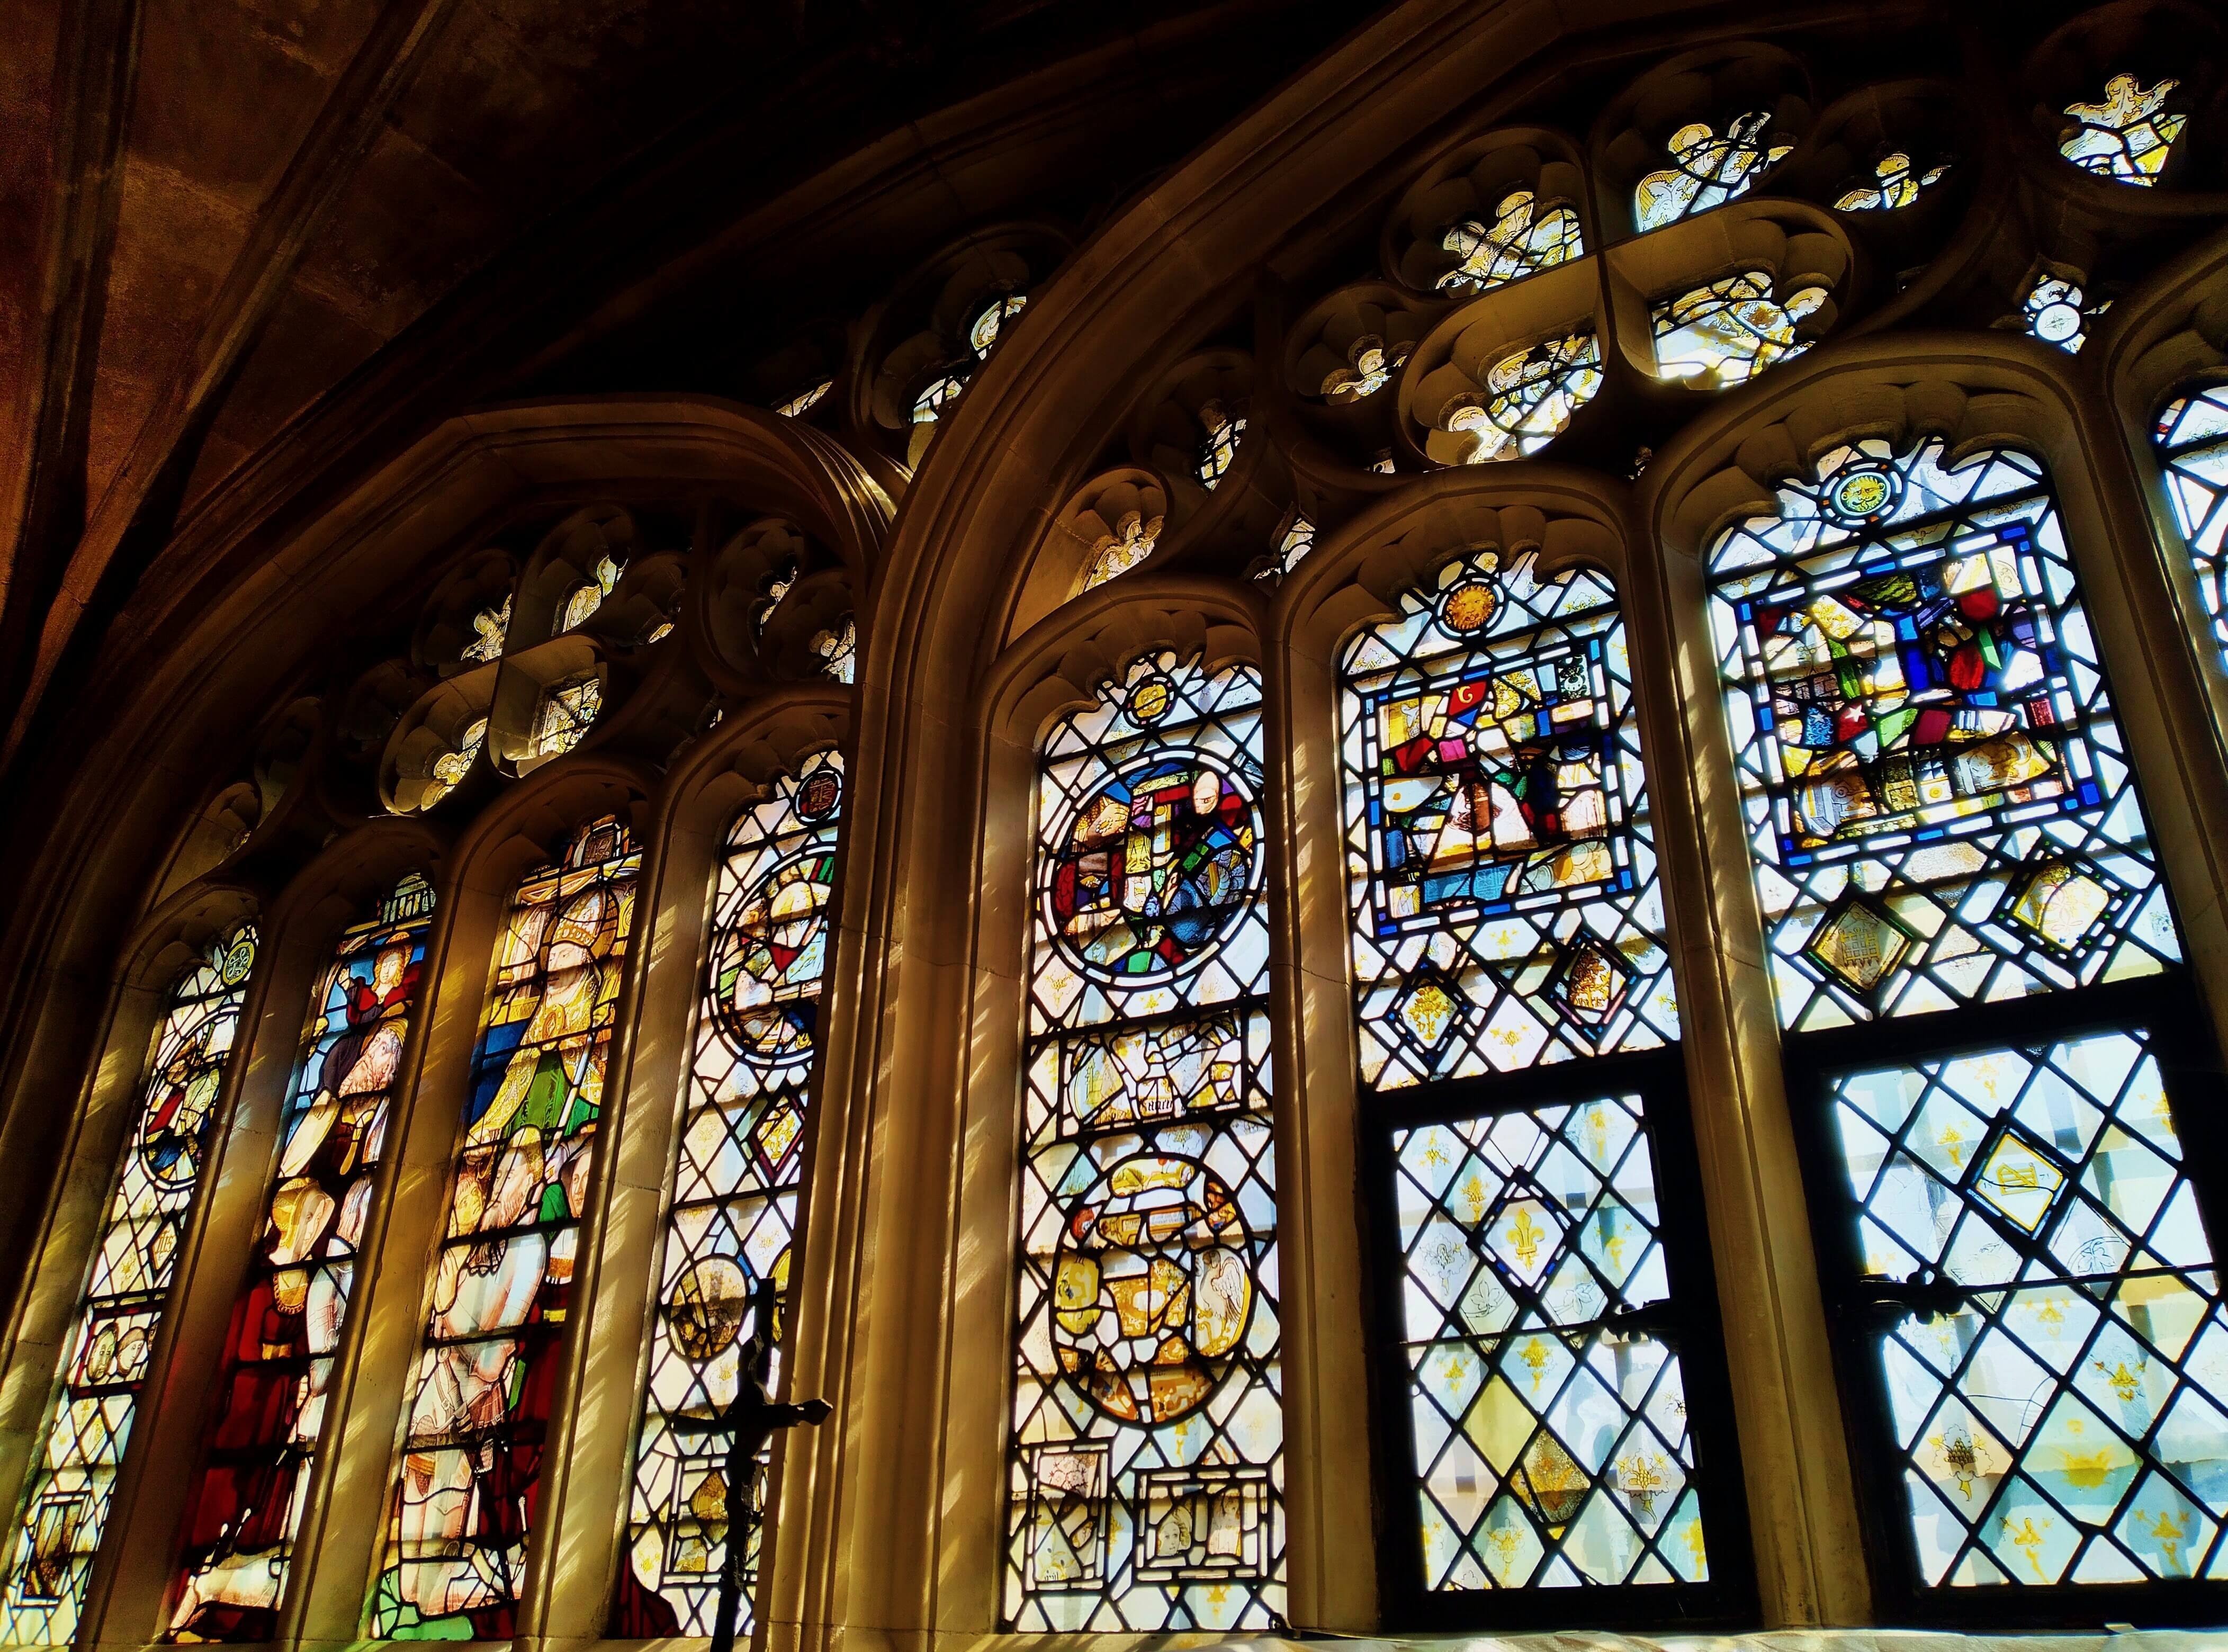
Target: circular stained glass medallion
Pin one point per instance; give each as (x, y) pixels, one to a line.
(1469, 605)
(1149, 700)
(1864, 493)
(1153, 1288)
(821, 793)
(1154, 869)
(767, 961)
(2056, 323)
(708, 1306)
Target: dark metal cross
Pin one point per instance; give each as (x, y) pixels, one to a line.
(750, 1422)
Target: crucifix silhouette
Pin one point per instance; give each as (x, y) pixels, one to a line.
(749, 1422)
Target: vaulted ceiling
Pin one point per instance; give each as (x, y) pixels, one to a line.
(229, 226)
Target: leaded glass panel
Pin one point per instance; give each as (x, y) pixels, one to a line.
(1707, 170)
(2127, 134)
(1499, 847)
(1732, 328)
(1530, 395)
(1549, 1429)
(1526, 237)
(2055, 1405)
(737, 1179)
(1939, 803)
(246, 1507)
(2192, 441)
(461, 1513)
(112, 1338)
(1147, 1474)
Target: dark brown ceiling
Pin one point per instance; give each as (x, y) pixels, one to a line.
(214, 211)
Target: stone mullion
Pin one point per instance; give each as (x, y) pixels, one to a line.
(1801, 1499)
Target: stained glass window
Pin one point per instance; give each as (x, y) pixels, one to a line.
(1734, 328)
(1218, 446)
(2127, 136)
(589, 594)
(1706, 170)
(991, 324)
(733, 1214)
(1938, 800)
(567, 712)
(837, 648)
(804, 401)
(2058, 312)
(490, 627)
(451, 767)
(776, 586)
(1147, 1475)
(88, 1422)
(1897, 181)
(1297, 540)
(1524, 238)
(2056, 1404)
(1119, 552)
(1370, 364)
(1530, 396)
(1499, 847)
(466, 1479)
(246, 1507)
(2192, 440)
(938, 393)
(1550, 1440)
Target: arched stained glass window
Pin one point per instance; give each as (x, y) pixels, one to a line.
(460, 1517)
(1938, 795)
(1147, 1475)
(2193, 440)
(1508, 921)
(246, 1507)
(1507, 908)
(736, 1184)
(88, 1422)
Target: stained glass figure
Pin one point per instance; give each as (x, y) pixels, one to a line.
(776, 586)
(1937, 796)
(805, 399)
(1897, 182)
(837, 648)
(112, 1337)
(1733, 329)
(2193, 445)
(567, 712)
(2128, 136)
(1147, 1475)
(1218, 446)
(991, 324)
(490, 627)
(1530, 396)
(1526, 237)
(1499, 847)
(1551, 1444)
(1370, 365)
(1298, 539)
(469, 1472)
(246, 1507)
(2057, 1420)
(2058, 312)
(1707, 170)
(589, 594)
(733, 1213)
(1119, 552)
(451, 767)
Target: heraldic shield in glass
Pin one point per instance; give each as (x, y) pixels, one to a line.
(462, 1510)
(1147, 1475)
(1499, 849)
(737, 1178)
(1938, 800)
(245, 1506)
(111, 1338)
(1551, 1441)
(2058, 1420)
